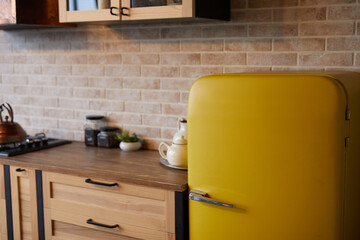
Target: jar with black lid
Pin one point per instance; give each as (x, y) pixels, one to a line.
(107, 137)
(92, 127)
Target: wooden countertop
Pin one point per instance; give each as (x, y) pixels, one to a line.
(140, 167)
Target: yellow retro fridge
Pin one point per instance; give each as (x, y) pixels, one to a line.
(274, 157)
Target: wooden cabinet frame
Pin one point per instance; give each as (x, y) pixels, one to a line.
(211, 9)
(16, 187)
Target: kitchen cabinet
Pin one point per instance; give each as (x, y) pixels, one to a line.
(124, 10)
(78, 192)
(25, 13)
(24, 203)
(78, 207)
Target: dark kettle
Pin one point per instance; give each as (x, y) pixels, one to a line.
(10, 131)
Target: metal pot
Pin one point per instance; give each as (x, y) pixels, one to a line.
(10, 131)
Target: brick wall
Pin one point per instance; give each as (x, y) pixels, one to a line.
(139, 75)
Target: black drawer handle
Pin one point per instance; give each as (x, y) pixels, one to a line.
(100, 183)
(90, 221)
(20, 170)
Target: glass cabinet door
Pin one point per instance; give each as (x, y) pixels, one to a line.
(88, 10)
(156, 9)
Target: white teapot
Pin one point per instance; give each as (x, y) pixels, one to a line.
(177, 152)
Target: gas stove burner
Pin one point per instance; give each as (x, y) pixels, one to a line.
(32, 143)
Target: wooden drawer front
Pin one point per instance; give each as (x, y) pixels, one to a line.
(143, 213)
(124, 188)
(66, 231)
(24, 203)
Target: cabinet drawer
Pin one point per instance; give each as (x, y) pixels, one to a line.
(140, 212)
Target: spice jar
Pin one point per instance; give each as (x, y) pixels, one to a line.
(107, 137)
(92, 127)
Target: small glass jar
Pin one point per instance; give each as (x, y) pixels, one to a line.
(107, 137)
(92, 127)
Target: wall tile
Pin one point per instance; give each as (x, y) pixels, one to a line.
(122, 71)
(125, 118)
(140, 58)
(326, 59)
(327, 29)
(357, 60)
(121, 47)
(175, 109)
(246, 69)
(299, 44)
(160, 121)
(71, 59)
(176, 84)
(140, 33)
(56, 69)
(206, 45)
(343, 44)
(141, 83)
(89, 93)
(221, 31)
(196, 72)
(224, 58)
(58, 113)
(184, 32)
(272, 59)
(248, 45)
(160, 96)
(122, 94)
(299, 14)
(73, 103)
(151, 132)
(104, 58)
(344, 12)
(273, 3)
(105, 82)
(28, 90)
(160, 46)
(323, 2)
(141, 107)
(149, 71)
(27, 69)
(41, 59)
(88, 70)
(238, 4)
(180, 59)
(106, 105)
(14, 79)
(251, 15)
(56, 91)
(273, 30)
(72, 81)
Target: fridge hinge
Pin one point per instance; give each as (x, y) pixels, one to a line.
(348, 114)
(347, 142)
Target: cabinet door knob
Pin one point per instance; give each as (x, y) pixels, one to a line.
(100, 183)
(127, 13)
(20, 170)
(90, 221)
(112, 11)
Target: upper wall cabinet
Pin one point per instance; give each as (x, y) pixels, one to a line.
(115, 10)
(28, 13)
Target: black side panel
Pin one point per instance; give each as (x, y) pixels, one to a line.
(40, 204)
(182, 215)
(9, 217)
(215, 9)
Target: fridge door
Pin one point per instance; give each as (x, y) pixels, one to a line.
(273, 147)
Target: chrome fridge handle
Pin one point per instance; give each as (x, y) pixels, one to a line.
(201, 196)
